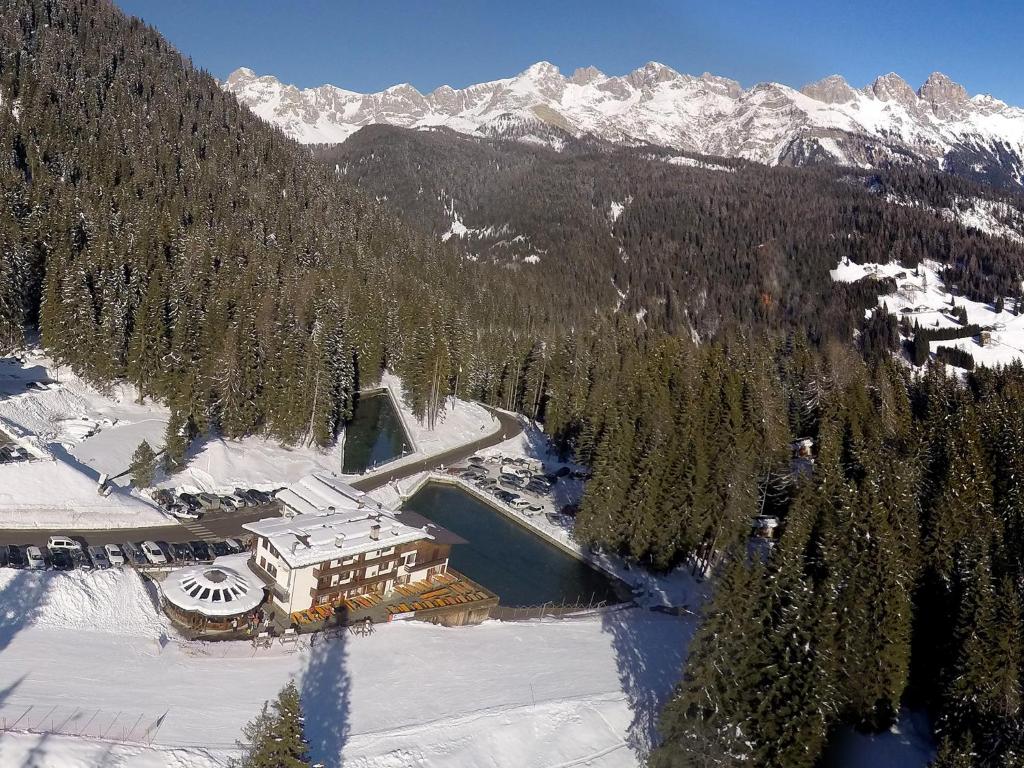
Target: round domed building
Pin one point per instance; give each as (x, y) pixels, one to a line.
(222, 597)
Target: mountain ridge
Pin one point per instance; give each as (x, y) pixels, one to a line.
(886, 123)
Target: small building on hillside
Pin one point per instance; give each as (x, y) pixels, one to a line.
(334, 543)
(222, 597)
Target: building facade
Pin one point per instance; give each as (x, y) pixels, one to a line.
(334, 542)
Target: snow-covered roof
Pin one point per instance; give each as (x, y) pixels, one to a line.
(219, 589)
(327, 519)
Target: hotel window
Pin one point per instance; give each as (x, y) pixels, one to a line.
(410, 559)
(346, 577)
(388, 551)
(371, 571)
(334, 580)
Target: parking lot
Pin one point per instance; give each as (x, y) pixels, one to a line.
(521, 484)
(198, 530)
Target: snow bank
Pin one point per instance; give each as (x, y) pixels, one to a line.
(114, 601)
(55, 493)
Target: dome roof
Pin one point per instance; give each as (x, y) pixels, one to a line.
(213, 590)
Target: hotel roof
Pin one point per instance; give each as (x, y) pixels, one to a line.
(326, 519)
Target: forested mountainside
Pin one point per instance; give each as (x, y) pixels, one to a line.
(688, 244)
(153, 228)
(897, 579)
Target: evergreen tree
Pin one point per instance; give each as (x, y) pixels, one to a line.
(275, 738)
(143, 465)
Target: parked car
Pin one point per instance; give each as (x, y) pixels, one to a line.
(153, 553)
(133, 553)
(234, 545)
(245, 497)
(519, 503)
(505, 496)
(227, 503)
(182, 552)
(16, 556)
(534, 509)
(252, 497)
(478, 460)
(536, 487)
(99, 557)
(486, 482)
(200, 551)
(34, 557)
(114, 554)
(166, 549)
(563, 472)
(79, 558)
(4, 555)
(188, 499)
(220, 549)
(208, 501)
(61, 559)
(60, 541)
(262, 497)
(183, 512)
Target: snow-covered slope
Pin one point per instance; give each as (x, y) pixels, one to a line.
(886, 122)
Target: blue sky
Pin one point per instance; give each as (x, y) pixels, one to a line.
(368, 46)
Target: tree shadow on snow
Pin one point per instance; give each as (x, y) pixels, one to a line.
(325, 698)
(650, 649)
(20, 599)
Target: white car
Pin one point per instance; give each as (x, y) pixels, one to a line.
(153, 553)
(34, 556)
(519, 503)
(60, 541)
(114, 554)
(182, 512)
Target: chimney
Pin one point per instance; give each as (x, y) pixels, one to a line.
(375, 531)
(339, 540)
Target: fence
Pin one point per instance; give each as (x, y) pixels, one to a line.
(555, 610)
(66, 720)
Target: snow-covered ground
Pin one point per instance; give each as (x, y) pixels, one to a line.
(255, 462)
(580, 691)
(76, 434)
(923, 298)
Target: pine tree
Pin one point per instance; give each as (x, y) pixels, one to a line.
(143, 465)
(276, 738)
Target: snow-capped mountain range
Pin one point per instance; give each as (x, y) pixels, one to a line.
(828, 121)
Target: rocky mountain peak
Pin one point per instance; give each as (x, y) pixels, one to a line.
(945, 97)
(892, 87)
(650, 74)
(586, 75)
(239, 77)
(831, 90)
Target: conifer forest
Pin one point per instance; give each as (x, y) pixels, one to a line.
(155, 231)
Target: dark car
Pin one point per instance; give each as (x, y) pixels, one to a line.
(220, 549)
(133, 553)
(79, 559)
(4, 555)
(200, 551)
(182, 552)
(563, 471)
(61, 559)
(538, 487)
(98, 556)
(166, 549)
(506, 496)
(189, 501)
(261, 497)
(16, 556)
